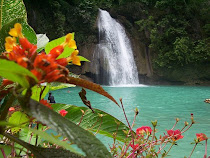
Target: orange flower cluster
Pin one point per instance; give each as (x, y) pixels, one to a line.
(44, 66)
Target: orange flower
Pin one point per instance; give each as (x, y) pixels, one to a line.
(175, 135)
(44, 102)
(63, 112)
(201, 137)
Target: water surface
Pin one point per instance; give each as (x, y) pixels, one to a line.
(162, 103)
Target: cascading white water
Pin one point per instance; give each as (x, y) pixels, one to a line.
(113, 56)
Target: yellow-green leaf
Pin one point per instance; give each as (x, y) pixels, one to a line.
(18, 118)
(16, 73)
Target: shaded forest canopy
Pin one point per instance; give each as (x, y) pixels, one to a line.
(176, 31)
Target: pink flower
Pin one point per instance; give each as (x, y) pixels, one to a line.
(63, 112)
(201, 137)
(175, 135)
(143, 129)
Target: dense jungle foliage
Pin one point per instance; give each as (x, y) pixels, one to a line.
(176, 31)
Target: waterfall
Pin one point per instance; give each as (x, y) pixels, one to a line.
(113, 57)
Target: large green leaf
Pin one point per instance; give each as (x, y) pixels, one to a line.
(18, 118)
(26, 132)
(15, 72)
(100, 121)
(11, 12)
(90, 145)
(43, 152)
(7, 149)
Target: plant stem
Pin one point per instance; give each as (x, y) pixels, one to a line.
(205, 149)
(125, 114)
(169, 148)
(127, 123)
(3, 153)
(81, 118)
(37, 137)
(42, 90)
(153, 137)
(193, 150)
(187, 128)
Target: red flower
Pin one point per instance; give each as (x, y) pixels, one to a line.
(11, 109)
(175, 135)
(201, 137)
(134, 147)
(143, 129)
(44, 102)
(6, 82)
(63, 112)
(55, 52)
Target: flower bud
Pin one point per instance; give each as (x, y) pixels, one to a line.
(136, 111)
(177, 119)
(154, 123)
(186, 123)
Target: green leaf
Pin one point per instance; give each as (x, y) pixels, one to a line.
(26, 132)
(83, 59)
(42, 40)
(36, 90)
(42, 152)
(28, 136)
(53, 140)
(105, 125)
(18, 118)
(7, 150)
(56, 85)
(82, 138)
(15, 72)
(55, 153)
(11, 12)
(54, 43)
(67, 51)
